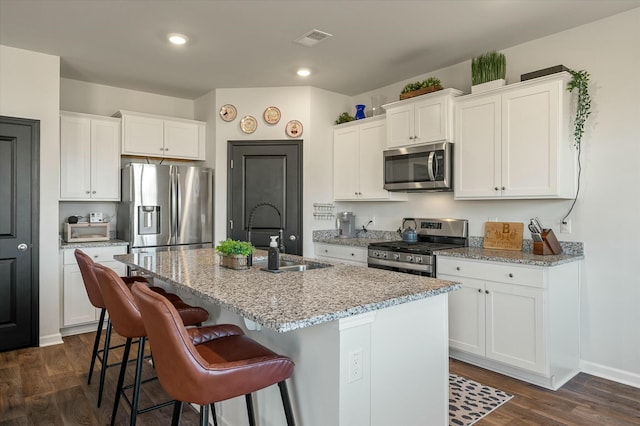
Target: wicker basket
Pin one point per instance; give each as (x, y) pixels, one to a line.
(419, 92)
(234, 261)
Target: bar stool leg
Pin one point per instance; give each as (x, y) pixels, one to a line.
(123, 369)
(204, 415)
(96, 344)
(136, 383)
(213, 414)
(105, 360)
(284, 393)
(250, 413)
(177, 411)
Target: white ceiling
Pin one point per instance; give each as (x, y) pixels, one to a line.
(249, 43)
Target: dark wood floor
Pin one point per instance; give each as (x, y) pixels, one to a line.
(48, 386)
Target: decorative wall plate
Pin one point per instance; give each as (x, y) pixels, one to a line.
(248, 124)
(271, 115)
(294, 129)
(228, 112)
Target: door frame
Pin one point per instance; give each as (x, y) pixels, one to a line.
(266, 142)
(34, 250)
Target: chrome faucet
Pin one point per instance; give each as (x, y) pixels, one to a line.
(280, 232)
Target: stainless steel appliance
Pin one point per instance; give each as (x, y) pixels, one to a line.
(417, 257)
(425, 167)
(346, 225)
(166, 206)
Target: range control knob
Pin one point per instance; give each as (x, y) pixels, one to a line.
(376, 254)
(396, 256)
(409, 258)
(418, 259)
(384, 254)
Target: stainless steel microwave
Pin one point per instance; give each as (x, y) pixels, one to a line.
(425, 167)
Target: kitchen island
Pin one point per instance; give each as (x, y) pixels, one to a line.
(370, 346)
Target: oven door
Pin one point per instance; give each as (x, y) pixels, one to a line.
(419, 168)
(406, 268)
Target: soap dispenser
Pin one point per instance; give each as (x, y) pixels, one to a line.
(273, 262)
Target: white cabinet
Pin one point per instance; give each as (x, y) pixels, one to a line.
(522, 321)
(89, 157)
(352, 255)
(165, 137)
(422, 119)
(76, 307)
(358, 170)
(514, 142)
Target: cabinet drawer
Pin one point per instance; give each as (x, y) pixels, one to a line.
(492, 271)
(357, 254)
(98, 254)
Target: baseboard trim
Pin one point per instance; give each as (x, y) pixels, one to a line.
(609, 373)
(50, 340)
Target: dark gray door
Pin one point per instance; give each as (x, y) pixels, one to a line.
(265, 172)
(19, 212)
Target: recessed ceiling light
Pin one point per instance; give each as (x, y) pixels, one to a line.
(303, 72)
(178, 39)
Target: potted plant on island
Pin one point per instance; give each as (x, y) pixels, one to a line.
(235, 254)
(418, 88)
(488, 72)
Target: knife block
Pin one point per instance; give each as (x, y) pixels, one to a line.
(548, 245)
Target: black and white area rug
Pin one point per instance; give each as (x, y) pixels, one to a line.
(470, 401)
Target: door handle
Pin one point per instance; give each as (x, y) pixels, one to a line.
(292, 237)
(23, 247)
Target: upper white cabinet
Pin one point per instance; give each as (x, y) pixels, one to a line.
(89, 157)
(522, 321)
(514, 142)
(358, 173)
(165, 137)
(422, 119)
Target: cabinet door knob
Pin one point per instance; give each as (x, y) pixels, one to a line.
(353, 254)
(88, 192)
(93, 192)
(495, 188)
(479, 290)
(457, 268)
(486, 291)
(510, 275)
(503, 188)
(326, 251)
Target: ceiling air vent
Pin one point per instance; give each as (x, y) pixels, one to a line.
(312, 38)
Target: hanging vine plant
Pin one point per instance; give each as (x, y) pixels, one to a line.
(580, 82)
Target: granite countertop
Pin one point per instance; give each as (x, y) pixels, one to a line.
(289, 300)
(509, 256)
(109, 243)
(362, 240)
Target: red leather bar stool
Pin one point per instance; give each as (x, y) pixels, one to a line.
(205, 365)
(85, 263)
(127, 321)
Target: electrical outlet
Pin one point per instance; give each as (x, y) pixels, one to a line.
(565, 227)
(355, 366)
(492, 219)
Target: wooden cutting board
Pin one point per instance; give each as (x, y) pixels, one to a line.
(503, 235)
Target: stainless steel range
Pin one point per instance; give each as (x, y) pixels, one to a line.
(417, 257)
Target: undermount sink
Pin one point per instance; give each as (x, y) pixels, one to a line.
(287, 265)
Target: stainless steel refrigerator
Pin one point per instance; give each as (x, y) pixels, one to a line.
(166, 206)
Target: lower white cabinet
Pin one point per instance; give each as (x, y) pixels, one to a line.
(522, 321)
(351, 255)
(76, 307)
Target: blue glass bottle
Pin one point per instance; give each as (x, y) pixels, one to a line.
(359, 112)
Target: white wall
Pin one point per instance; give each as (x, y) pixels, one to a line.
(91, 98)
(30, 88)
(312, 107)
(606, 215)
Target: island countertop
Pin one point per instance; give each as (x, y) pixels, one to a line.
(289, 300)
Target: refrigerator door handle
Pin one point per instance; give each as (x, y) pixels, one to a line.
(179, 205)
(172, 196)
